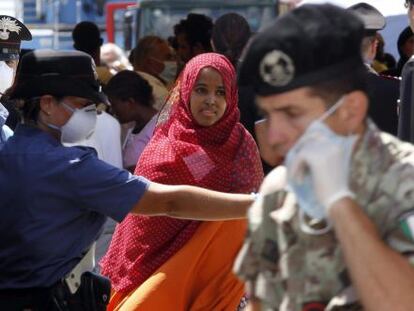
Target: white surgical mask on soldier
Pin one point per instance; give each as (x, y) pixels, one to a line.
(6, 76)
(80, 125)
(303, 188)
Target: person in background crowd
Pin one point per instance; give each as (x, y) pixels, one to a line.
(106, 138)
(383, 91)
(87, 38)
(405, 44)
(406, 111)
(159, 263)
(192, 37)
(152, 58)
(231, 32)
(132, 99)
(113, 57)
(383, 61)
(59, 196)
(13, 32)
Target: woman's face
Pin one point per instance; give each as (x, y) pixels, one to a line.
(208, 97)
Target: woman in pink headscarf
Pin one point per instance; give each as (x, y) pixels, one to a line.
(159, 263)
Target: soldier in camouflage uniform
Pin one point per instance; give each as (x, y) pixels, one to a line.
(359, 254)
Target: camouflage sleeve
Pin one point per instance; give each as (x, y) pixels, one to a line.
(400, 221)
(401, 238)
(257, 261)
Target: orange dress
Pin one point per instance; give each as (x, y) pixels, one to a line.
(198, 277)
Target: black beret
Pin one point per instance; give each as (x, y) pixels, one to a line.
(12, 32)
(372, 18)
(58, 73)
(307, 45)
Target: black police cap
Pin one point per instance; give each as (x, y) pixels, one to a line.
(372, 18)
(12, 32)
(307, 45)
(58, 73)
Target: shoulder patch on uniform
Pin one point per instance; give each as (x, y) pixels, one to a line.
(407, 225)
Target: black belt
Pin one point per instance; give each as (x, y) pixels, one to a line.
(36, 299)
(18, 292)
(93, 294)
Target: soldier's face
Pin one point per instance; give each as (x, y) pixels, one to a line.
(289, 114)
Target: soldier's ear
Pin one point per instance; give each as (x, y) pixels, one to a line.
(354, 111)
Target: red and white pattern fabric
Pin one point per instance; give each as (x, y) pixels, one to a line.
(222, 157)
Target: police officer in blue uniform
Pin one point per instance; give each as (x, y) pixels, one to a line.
(54, 199)
(12, 33)
(383, 91)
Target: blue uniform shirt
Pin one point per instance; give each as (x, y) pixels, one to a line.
(54, 200)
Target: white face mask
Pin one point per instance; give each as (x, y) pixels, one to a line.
(6, 76)
(170, 71)
(80, 125)
(303, 189)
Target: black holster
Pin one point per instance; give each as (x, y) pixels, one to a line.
(92, 295)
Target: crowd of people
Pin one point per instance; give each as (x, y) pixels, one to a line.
(214, 170)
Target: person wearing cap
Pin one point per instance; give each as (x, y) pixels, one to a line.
(106, 138)
(55, 198)
(332, 229)
(383, 91)
(12, 32)
(406, 107)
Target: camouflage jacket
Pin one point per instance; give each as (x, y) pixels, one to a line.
(290, 269)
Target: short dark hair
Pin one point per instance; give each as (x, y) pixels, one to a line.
(129, 84)
(330, 91)
(197, 29)
(231, 32)
(29, 108)
(87, 37)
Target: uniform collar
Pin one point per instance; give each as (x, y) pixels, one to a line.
(27, 130)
